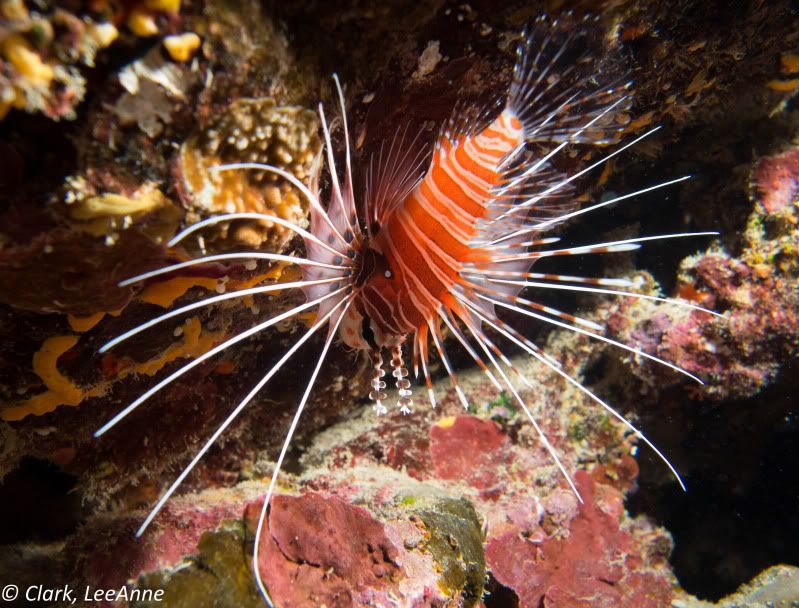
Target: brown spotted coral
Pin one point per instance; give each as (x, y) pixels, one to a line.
(252, 131)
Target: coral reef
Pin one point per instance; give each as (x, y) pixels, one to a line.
(44, 46)
(444, 508)
(125, 193)
(776, 587)
(355, 528)
(740, 354)
(252, 131)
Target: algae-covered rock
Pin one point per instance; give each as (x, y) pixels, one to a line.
(219, 574)
(776, 587)
(455, 540)
(353, 528)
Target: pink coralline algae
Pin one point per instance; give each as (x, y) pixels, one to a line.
(469, 449)
(540, 542)
(545, 546)
(756, 291)
(777, 180)
(595, 563)
(327, 550)
(356, 529)
(737, 355)
(174, 536)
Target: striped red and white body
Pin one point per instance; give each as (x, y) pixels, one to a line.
(430, 236)
(427, 238)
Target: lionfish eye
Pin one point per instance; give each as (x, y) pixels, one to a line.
(388, 274)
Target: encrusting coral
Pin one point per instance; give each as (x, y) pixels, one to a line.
(43, 47)
(252, 131)
(756, 290)
(420, 524)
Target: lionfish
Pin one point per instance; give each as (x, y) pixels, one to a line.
(444, 240)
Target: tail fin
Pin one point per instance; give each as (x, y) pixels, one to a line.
(560, 92)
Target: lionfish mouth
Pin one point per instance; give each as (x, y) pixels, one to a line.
(460, 227)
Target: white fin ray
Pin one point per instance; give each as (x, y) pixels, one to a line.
(531, 201)
(425, 371)
(207, 302)
(342, 214)
(205, 356)
(519, 179)
(348, 181)
(253, 255)
(290, 434)
(395, 176)
(548, 223)
(538, 226)
(306, 192)
(550, 448)
(629, 294)
(451, 324)
(229, 420)
(547, 276)
(578, 330)
(551, 88)
(250, 215)
(445, 360)
(554, 312)
(608, 247)
(505, 330)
